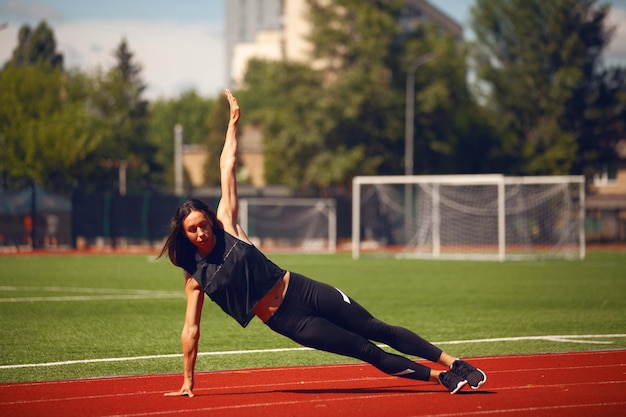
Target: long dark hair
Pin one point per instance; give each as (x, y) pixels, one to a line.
(179, 249)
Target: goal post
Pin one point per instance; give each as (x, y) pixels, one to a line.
(489, 216)
(290, 224)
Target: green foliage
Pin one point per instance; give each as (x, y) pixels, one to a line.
(541, 63)
(603, 121)
(46, 126)
(59, 127)
(451, 134)
(349, 32)
(122, 117)
(322, 127)
(344, 115)
(297, 122)
(361, 103)
(36, 47)
(548, 106)
(189, 110)
(126, 306)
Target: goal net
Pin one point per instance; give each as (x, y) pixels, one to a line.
(490, 217)
(290, 224)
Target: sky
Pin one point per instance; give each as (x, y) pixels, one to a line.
(180, 44)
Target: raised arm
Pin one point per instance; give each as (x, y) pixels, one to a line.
(228, 208)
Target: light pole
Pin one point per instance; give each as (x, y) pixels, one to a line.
(178, 159)
(408, 140)
(410, 110)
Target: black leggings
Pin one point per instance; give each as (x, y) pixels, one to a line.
(319, 316)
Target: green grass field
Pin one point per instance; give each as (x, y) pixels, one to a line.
(77, 316)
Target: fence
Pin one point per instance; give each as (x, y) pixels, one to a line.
(111, 220)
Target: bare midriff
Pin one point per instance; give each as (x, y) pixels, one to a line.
(272, 300)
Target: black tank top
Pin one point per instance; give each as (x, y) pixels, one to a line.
(236, 276)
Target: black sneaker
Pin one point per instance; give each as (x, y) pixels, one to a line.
(451, 381)
(474, 376)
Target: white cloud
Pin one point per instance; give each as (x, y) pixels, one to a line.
(174, 56)
(34, 10)
(8, 42)
(617, 47)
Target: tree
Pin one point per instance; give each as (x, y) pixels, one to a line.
(189, 110)
(344, 116)
(323, 126)
(539, 62)
(122, 117)
(293, 111)
(36, 47)
(452, 135)
(46, 128)
(603, 122)
(361, 45)
(45, 125)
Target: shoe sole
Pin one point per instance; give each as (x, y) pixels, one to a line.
(458, 387)
(480, 384)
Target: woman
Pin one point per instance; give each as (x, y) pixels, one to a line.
(219, 260)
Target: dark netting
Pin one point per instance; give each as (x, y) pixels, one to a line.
(112, 220)
(45, 223)
(162, 208)
(286, 222)
(89, 215)
(126, 217)
(116, 220)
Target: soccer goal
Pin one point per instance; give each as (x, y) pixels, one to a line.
(488, 217)
(290, 224)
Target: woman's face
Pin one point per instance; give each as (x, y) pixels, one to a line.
(198, 229)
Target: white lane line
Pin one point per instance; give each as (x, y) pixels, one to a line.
(514, 411)
(367, 397)
(562, 338)
(420, 387)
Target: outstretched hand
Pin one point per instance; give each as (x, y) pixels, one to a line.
(235, 112)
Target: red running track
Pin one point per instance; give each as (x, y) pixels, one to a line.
(562, 384)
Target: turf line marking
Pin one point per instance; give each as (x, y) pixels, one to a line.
(107, 294)
(90, 298)
(557, 338)
(84, 290)
(166, 356)
(561, 338)
(526, 370)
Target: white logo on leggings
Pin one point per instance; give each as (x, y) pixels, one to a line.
(345, 297)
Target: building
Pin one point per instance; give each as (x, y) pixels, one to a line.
(275, 29)
(194, 159)
(245, 19)
(606, 202)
